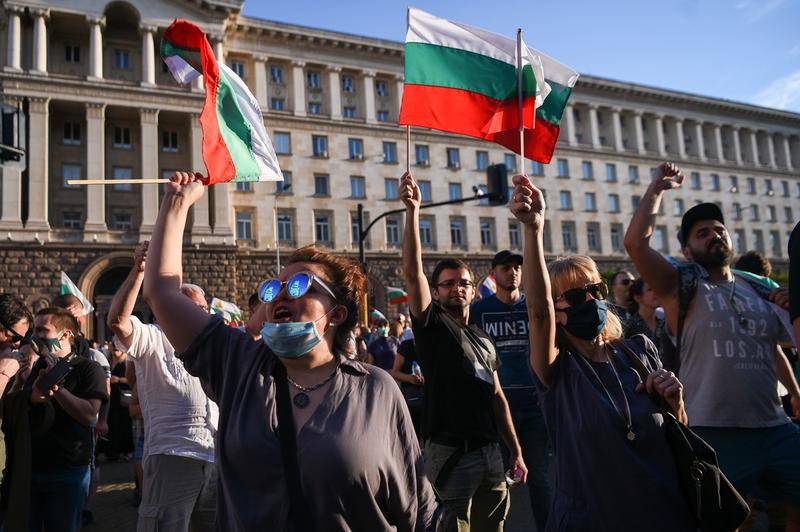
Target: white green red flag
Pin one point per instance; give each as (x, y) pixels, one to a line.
(68, 287)
(230, 313)
(464, 80)
(236, 146)
(396, 296)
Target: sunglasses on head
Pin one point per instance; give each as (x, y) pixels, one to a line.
(296, 286)
(576, 296)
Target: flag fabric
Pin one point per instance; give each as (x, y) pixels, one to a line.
(488, 286)
(463, 80)
(68, 287)
(375, 315)
(236, 146)
(396, 295)
(231, 314)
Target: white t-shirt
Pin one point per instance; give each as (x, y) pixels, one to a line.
(178, 417)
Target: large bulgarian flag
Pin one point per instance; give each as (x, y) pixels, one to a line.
(464, 80)
(236, 146)
(68, 287)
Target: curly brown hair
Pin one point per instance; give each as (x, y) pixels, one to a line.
(347, 281)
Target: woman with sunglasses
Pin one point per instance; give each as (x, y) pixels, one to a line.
(614, 468)
(308, 439)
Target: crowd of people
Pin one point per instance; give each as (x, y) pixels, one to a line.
(306, 419)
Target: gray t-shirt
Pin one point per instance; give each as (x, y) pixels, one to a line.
(728, 367)
(360, 464)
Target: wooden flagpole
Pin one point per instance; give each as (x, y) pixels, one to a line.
(116, 181)
(521, 158)
(408, 148)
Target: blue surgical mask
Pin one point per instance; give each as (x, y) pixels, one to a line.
(587, 320)
(291, 339)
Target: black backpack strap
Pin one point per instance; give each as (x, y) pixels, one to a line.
(298, 511)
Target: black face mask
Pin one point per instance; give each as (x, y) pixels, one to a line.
(587, 320)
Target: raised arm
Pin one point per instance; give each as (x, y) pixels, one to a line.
(655, 269)
(180, 318)
(419, 294)
(527, 204)
(119, 316)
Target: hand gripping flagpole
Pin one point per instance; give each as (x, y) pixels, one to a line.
(521, 157)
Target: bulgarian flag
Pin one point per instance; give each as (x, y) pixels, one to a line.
(464, 80)
(236, 146)
(68, 287)
(396, 295)
(231, 314)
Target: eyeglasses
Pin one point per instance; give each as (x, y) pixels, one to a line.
(15, 336)
(576, 296)
(450, 283)
(297, 286)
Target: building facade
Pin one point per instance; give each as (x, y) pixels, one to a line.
(86, 95)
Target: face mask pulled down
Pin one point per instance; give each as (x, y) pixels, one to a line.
(292, 339)
(587, 320)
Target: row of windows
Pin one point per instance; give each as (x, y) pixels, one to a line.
(121, 137)
(121, 58)
(119, 220)
(313, 79)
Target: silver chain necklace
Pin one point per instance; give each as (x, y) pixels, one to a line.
(301, 400)
(625, 414)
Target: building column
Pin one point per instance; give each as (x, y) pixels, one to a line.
(201, 227)
(617, 123)
(40, 17)
(701, 142)
(148, 119)
(299, 87)
(773, 163)
(95, 169)
(96, 47)
(14, 62)
(571, 125)
(737, 145)
(217, 40)
(39, 127)
(718, 143)
(787, 152)
(260, 78)
(637, 122)
(11, 179)
(754, 148)
(335, 90)
(661, 144)
(148, 55)
(399, 85)
(369, 96)
(681, 138)
(222, 213)
(594, 127)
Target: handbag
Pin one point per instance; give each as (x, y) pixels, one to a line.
(712, 499)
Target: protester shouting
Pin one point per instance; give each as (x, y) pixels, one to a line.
(614, 468)
(308, 439)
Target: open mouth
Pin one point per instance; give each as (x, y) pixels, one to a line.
(281, 314)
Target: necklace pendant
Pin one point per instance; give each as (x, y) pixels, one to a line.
(631, 435)
(301, 400)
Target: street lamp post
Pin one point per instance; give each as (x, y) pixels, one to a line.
(281, 188)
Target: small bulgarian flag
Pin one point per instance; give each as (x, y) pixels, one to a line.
(231, 314)
(396, 295)
(68, 287)
(464, 80)
(376, 314)
(236, 146)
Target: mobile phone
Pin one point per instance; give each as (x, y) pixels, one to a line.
(54, 376)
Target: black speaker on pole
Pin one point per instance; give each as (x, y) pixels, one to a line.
(497, 183)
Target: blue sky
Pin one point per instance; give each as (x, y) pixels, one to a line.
(741, 50)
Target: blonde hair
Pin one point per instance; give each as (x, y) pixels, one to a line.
(578, 270)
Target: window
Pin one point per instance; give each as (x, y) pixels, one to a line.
(349, 112)
(457, 239)
(122, 173)
(754, 217)
(71, 220)
(244, 186)
(121, 221)
(565, 197)
(694, 180)
(563, 168)
(381, 88)
(483, 192)
(355, 228)
(392, 231)
(771, 216)
(453, 158)
(514, 234)
(355, 149)
(739, 241)
(389, 152)
(775, 243)
(510, 160)
(547, 240)
(487, 232)
(733, 183)
(768, 187)
(798, 190)
(276, 74)
(589, 201)
(454, 191)
(283, 187)
(348, 84)
(314, 108)
(635, 200)
(321, 185)
(238, 69)
(537, 168)
(568, 236)
(751, 185)
(122, 137)
(633, 174)
(422, 154)
(169, 141)
(357, 187)
(122, 59)
(593, 237)
(282, 142)
(611, 172)
(322, 228)
(319, 145)
(785, 189)
(481, 160)
(72, 133)
(426, 231)
(277, 104)
(244, 225)
(383, 116)
(616, 237)
(737, 211)
(787, 213)
(587, 170)
(715, 182)
(70, 171)
(660, 239)
(285, 227)
(313, 80)
(758, 240)
(390, 186)
(424, 191)
(613, 203)
(677, 207)
(72, 54)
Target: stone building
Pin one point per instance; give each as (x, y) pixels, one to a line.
(85, 95)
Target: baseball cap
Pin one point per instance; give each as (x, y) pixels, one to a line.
(505, 256)
(698, 213)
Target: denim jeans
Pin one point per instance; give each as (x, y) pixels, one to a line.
(57, 497)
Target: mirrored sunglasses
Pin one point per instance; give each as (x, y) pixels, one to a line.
(296, 286)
